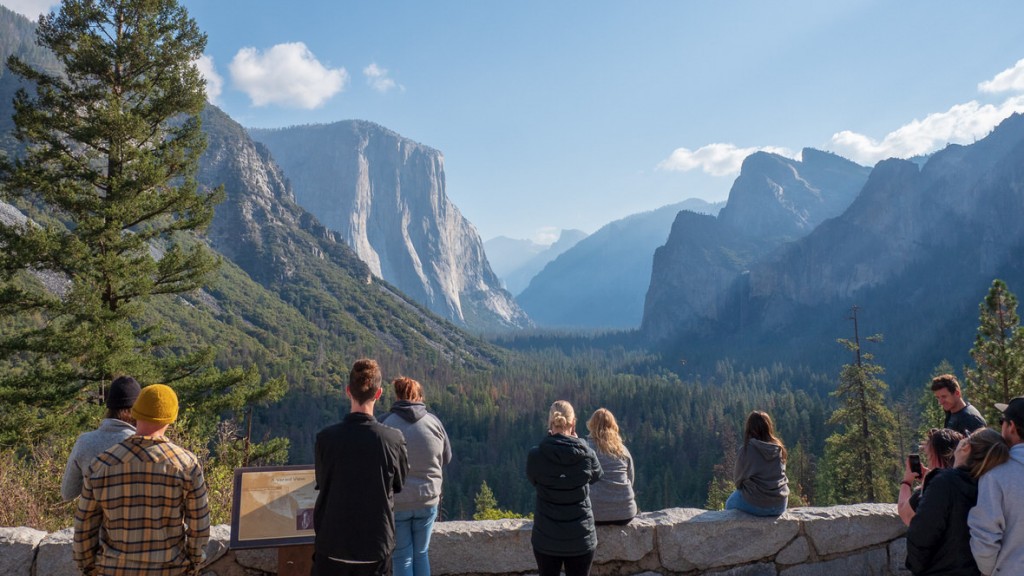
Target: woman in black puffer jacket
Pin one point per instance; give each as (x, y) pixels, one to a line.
(561, 468)
(938, 539)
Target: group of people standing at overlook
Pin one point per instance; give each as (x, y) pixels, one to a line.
(142, 503)
(961, 497)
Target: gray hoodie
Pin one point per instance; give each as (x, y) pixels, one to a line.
(612, 497)
(997, 522)
(88, 446)
(429, 450)
(761, 474)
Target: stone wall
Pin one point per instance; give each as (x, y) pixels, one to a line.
(863, 539)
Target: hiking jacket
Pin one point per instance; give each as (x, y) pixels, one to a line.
(561, 468)
(938, 540)
(359, 464)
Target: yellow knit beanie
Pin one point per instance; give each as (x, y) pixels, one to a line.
(157, 403)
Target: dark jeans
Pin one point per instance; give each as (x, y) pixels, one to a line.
(574, 565)
(323, 566)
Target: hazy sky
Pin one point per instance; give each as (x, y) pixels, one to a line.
(571, 114)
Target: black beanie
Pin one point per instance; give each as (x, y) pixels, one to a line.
(122, 393)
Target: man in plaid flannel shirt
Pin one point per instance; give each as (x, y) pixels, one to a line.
(149, 497)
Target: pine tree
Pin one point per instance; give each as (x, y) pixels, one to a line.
(487, 506)
(111, 143)
(860, 458)
(998, 352)
(721, 485)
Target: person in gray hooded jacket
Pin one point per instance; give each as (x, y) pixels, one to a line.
(762, 488)
(116, 426)
(416, 505)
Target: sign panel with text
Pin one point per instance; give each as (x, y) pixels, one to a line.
(272, 506)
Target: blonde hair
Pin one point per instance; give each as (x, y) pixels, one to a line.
(604, 431)
(988, 450)
(561, 417)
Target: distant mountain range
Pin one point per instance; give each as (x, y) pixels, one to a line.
(601, 281)
(916, 251)
(517, 261)
(385, 196)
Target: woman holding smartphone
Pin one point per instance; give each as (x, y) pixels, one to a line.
(938, 539)
(937, 453)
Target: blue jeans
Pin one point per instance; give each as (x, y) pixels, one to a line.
(412, 539)
(736, 502)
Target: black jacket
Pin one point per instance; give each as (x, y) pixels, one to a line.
(562, 468)
(938, 539)
(360, 464)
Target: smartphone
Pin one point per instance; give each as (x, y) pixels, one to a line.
(915, 463)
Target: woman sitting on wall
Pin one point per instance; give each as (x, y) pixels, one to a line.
(762, 488)
(611, 497)
(938, 539)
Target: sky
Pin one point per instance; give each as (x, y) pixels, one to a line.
(571, 114)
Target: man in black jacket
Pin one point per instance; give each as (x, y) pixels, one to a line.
(360, 464)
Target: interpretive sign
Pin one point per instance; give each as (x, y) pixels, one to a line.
(272, 506)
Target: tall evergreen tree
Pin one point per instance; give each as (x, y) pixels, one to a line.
(998, 352)
(860, 457)
(111, 143)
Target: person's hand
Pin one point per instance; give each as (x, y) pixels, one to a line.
(924, 470)
(908, 475)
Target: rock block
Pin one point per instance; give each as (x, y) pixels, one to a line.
(17, 549)
(759, 569)
(871, 563)
(797, 552)
(630, 542)
(698, 539)
(898, 557)
(839, 529)
(55, 556)
(220, 538)
(482, 547)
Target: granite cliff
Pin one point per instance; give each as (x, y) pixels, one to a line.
(775, 200)
(916, 251)
(385, 196)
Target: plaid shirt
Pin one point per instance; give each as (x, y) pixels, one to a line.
(149, 496)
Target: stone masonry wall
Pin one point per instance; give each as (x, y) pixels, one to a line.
(863, 539)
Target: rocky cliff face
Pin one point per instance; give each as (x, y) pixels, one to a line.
(773, 201)
(601, 281)
(385, 195)
(261, 228)
(916, 252)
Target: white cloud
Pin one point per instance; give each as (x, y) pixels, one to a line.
(716, 159)
(1009, 80)
(286, 74)
(547, 235)
(214, 81)
(31, 9)
(379, 80)
(961, 124)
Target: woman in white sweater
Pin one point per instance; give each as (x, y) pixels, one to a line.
(611, 497)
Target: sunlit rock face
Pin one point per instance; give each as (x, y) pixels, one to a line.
(774, 201)
(385, 195)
